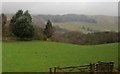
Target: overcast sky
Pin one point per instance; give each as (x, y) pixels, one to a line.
(89, 8)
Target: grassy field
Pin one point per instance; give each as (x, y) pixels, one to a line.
(39, 56)
(0, 56)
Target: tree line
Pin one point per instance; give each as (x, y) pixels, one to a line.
(74, 37)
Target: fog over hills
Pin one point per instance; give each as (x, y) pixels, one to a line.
(61, 8)
(73, 16)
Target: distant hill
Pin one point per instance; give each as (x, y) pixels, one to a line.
(106, 20)
(68, 18)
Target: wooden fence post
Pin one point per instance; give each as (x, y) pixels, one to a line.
(50, 70)
(54, 70)
(92, 68)
(111, 66)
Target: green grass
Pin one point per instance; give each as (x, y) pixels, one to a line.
(36, 56)
(0, 56)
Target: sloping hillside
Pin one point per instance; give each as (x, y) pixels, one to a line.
(83, 23)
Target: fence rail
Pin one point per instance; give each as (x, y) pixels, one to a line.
(92, 68)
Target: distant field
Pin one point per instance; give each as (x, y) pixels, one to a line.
(39, 56)
(87, 27)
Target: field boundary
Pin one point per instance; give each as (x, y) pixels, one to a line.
(90, 68)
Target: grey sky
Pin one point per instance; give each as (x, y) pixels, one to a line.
(89, 8)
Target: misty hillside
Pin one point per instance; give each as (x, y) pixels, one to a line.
(83, 23)
(68, 18)
(74, 22)
(106, 20)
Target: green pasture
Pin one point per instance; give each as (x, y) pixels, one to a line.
(39, 56)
